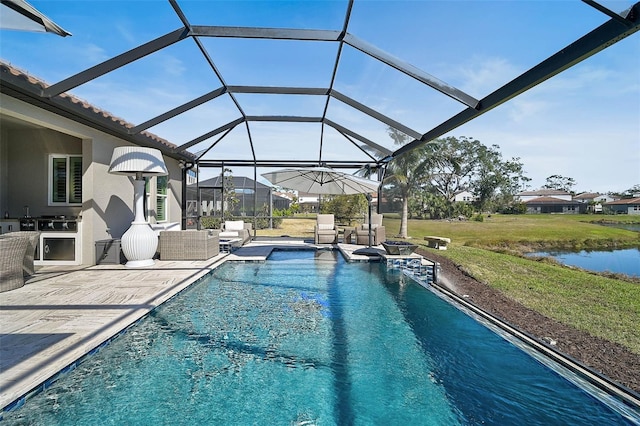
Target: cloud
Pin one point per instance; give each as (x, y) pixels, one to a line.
(125, 32)
(91, 54)
(521, 110)
(172, 66)
(483, 75)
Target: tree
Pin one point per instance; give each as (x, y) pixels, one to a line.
(465, 164)
(229, 197)
(559, 183)
(427, 178)
(407, 171)
(496, 181)
(346, 207)
(633, 191)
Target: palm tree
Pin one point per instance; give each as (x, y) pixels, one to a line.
(410, 170)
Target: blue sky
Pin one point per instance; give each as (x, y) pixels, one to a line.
(583, 123)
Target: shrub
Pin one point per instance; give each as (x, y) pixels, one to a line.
(262, 219)
(210, 222)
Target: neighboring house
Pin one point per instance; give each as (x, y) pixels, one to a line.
(288, 195)
(308, 202)
(54, 161)
(550, 201)
(464, 197)
(586, 197)
(191, 176)
(554, 205)
(593, 200)
(530, 195)
(624, 206)
(244, 188)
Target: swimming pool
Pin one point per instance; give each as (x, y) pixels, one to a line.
(307, 338)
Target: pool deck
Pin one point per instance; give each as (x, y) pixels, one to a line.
(63, 313)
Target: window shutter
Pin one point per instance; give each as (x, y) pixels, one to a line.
(75, 184)
(161, 209)
(161, 198)
(59, 187)
(162, 185)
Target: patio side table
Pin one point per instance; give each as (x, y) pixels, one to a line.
(227, 245)
(349, 234)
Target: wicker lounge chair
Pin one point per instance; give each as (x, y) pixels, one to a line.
(325, 231)
(13, 248)
(236, 229)
(27, 264)
(189, 245)
(378, 232)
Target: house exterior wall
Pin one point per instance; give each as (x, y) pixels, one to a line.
(603, 199)
(464, 196)
(624, 209)
(555, 208)
(28, 166)
(107, 200)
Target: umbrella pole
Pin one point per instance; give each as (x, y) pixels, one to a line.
(369, 202)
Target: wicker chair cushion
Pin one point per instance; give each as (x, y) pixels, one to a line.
(229, 234)
(233, 225)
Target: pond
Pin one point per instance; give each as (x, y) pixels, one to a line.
(625, 261)
(627, 226)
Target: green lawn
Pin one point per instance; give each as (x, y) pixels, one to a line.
(532, 230)
(604, 307)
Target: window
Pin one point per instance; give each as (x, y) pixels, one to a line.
(161, 198)
(161, 194)
(65, 179)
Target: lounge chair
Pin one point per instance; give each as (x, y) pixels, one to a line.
(325, 231)
(28, 268)
(13, 248)
(236, 229)
(378, 232)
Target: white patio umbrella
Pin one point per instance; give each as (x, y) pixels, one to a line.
(324, 180)
(20, 15)
(321, 180)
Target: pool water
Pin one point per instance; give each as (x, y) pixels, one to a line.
(309, 339)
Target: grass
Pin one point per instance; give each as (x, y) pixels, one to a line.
(535, 231)
(602, 306)
(292, 227)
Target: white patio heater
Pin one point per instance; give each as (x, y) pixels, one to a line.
(139, 243)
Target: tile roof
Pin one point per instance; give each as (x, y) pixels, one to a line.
(74, 106)
(586, 196)
(543, 192)
(624, 201)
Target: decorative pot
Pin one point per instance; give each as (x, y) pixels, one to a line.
(399, 248)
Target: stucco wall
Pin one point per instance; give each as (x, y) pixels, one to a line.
(27, 170)
(107, 207)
